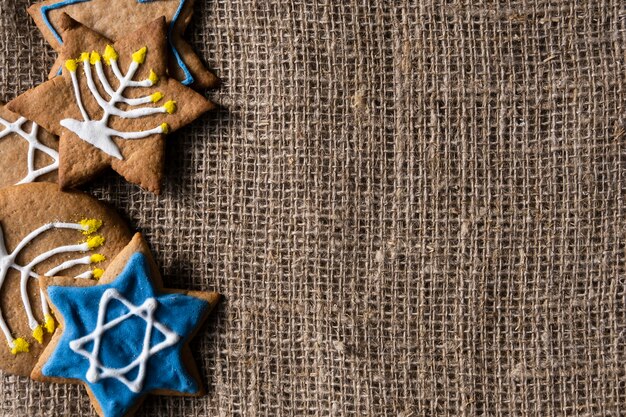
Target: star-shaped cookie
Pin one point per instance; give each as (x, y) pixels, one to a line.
(113, 105)
(115, 18)
(125, 337)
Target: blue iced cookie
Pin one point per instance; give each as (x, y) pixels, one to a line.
(125, 337)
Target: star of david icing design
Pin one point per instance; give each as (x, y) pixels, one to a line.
(97, 370)
(125, 336)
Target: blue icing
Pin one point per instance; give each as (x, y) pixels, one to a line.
(179, 60)
(122, 344)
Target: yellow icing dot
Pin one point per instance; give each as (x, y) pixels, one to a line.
(170, 106)
(49, 324)
(97, 258)
(90, 226)
(153, 77)
(156, 97)
(110, 54)
(140, 56)
(165, 128)
(95, 242)
(71, 65)
(84, 56)
(95, 58)
(38, 334)
(19, 346)
(97, 273)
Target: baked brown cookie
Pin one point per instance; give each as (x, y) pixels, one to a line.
(28, 153)
(126, 336)
(44, 231)
(114, 19)
(113, 105)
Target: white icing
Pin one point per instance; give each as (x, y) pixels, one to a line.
(79, 100)
(67, 265)
(85, 275)
(8, 262)
(34, 145)
(103, 79)
(97, 132)
(97, 370)
(26, 273)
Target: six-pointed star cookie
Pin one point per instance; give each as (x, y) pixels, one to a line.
(113, 105)
(115, 18)
(126, 337)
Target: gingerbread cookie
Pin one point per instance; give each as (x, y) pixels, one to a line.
(125, 337)
(116, 18)
(27, 152)
(44, 231)
(113, 105)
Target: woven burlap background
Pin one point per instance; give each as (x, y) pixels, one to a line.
(411, 210)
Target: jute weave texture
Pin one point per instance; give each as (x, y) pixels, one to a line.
(412, 208)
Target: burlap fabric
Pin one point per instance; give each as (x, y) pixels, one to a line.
(412, 209)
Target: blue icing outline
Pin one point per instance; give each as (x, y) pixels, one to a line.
(179, 60)
(165, 369)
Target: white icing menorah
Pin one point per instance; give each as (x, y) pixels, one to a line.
(97, 132)
(8, 261)
(33, 146)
